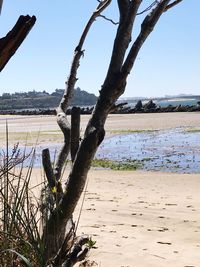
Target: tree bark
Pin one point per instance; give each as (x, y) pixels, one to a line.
(75, 131)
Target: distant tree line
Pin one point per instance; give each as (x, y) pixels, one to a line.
(42, 99)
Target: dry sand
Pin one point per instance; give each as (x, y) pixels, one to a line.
(141, 219)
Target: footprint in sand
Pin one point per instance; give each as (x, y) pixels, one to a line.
(135, 225)
(170, 204)
(164, 229)
(134, 214)
(164, 243)
(141, 202)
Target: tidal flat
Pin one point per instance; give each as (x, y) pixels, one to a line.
(173, 150)
(166, 142)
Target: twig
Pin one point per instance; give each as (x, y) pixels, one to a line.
(112, 21)
(148, 8)
(81, 208)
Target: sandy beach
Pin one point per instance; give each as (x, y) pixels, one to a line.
(137, 218)
(143, 219)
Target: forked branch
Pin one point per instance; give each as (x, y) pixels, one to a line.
(147, 27)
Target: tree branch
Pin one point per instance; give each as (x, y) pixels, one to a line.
(1, 4)
(11, 42)
(112, 21)
(62, 156)
(172, 4)
(123, 36)
(46, 162)
(147, 27)
(77, 55)
(148, 8)
(61, 110)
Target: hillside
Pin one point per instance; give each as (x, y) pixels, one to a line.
(43, 100)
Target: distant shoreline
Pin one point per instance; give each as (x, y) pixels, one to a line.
(123, 108)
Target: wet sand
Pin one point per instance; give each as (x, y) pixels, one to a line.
(44, 129)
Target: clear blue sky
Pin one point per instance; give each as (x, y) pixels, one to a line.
(169, 62)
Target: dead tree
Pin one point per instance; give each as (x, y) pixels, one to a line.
(11, 42)
(124, 54)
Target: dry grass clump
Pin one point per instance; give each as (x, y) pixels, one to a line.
(20, 240)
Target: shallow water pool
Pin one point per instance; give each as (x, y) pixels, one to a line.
(171, 150)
